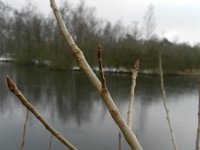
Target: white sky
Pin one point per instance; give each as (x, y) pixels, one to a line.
(175, 19)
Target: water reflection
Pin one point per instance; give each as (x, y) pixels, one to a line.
(70, 103)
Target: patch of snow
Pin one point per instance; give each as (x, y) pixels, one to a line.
(6, 57)
(75, 68)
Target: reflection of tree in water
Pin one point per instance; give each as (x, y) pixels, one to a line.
(147, 93)
(74, 100)
(5, 103)
(71, 96)
(67, 93)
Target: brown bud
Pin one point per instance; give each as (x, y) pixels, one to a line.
(136, 65)
(10, 84)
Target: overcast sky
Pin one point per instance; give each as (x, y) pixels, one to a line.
(177, 20)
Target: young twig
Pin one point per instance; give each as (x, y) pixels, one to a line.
(100, 61)
(14, 89)
(165, 103)
(135, 70)
(120, 141)
(84, 66)
(50, 142)
(198, 127)
(24, 129)
(103, 80)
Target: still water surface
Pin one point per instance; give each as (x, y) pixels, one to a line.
(68, 101)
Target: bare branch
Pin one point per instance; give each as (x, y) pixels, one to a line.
(13, 88)
(81, 61)
(100, 61)
(120, 141)
(198, 127)
(24, 129)
(50, 142)
(135, 70)
(173, 139)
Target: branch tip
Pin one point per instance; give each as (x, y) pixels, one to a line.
(99, 46)
(136, 65)
(99, 51)
(10, 84)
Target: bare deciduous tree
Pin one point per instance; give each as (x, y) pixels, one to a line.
(149, 22)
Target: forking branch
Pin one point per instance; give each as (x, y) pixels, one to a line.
(81, 61)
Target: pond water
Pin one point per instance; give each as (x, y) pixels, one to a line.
(69, 102)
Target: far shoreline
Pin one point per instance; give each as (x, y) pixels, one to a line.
(120, 70)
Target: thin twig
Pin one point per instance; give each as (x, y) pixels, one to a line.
(173, 139)
(135, 70)
(84, 66)
(14, 89)
(198, 127)
(100, 61)
(103, 80)
(24, 129)
(120, 141)
(50, 142)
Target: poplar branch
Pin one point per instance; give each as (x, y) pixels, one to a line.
(14, 89)
(84, 66)
(100, 61)
(135, 70)
(173, 139)
(24, 129)
(50, 142)
(198, 126)
(120, 141)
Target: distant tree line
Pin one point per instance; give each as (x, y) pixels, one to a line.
(33, 37)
